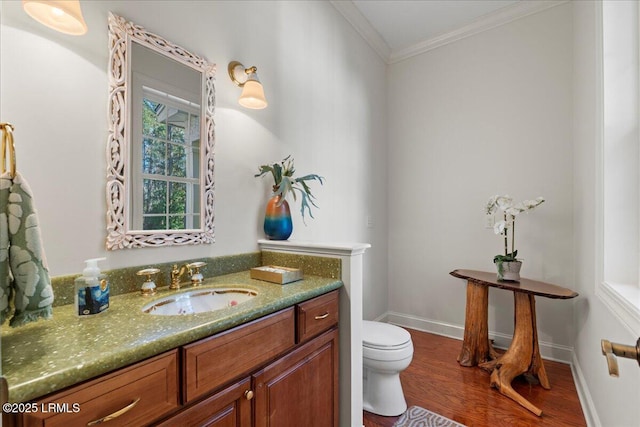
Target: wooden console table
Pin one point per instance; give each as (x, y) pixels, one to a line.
(523, 355)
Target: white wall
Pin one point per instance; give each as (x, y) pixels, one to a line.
(489, 114)
(326, 90)
(614, 401)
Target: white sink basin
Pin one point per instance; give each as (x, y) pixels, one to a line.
(199, 301)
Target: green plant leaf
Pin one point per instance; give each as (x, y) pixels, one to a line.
(264, 169)
(304, 205)
(310, 177)
(506, 258)
(287, 165)
(283, 188)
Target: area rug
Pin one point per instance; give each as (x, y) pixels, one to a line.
(420, 417)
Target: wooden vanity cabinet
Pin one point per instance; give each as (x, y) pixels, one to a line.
(277, 371)
(299, 388)
(133, 396)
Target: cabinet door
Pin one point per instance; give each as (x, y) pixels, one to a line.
(230, 407)
(301, 388)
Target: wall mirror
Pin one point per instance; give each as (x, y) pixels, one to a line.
(161, 136)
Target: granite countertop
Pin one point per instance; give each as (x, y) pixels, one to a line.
(46, 356)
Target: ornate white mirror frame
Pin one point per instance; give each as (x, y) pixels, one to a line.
(119, 233)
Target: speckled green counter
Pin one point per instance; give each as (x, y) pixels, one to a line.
(46, 356)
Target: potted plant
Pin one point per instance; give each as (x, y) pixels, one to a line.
(508, 264)
(277, 219)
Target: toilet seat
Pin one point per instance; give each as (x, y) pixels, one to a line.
(384, 336)
(395, 355)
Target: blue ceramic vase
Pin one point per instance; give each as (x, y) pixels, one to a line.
(277, 219)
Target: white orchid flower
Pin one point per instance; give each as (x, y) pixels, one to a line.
(490, 209)
(499, 227)
(504, 202)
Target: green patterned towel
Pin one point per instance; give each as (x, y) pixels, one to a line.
(5, 275)
(24, 274)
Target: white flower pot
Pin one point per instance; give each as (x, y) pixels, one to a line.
(509, 270)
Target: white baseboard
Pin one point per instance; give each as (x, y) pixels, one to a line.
(558, 353)
(588, 408)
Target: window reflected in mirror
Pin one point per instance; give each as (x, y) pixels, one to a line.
(170, 163)
(166, 125)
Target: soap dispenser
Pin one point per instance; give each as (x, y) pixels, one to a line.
(92, 290)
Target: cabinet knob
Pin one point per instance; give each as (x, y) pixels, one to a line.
(248, 394)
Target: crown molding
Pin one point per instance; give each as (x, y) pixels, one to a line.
(357, 20)
(492, 20)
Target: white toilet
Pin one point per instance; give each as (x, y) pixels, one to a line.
(386, 351)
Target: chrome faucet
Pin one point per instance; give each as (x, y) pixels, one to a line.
(194, 272)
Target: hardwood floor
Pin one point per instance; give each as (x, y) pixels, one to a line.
(435, 381)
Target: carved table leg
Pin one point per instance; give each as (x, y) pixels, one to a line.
(537, 367)
(475, 346)
(523, 355)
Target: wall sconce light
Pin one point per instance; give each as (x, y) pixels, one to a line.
(252, 92)
(61, 15)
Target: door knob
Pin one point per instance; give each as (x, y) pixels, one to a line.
(611, 350)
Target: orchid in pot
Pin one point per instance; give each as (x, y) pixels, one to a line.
(508, 265)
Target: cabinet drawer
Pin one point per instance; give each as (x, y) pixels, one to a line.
(215, 361)
(133, 396)
(317, 315)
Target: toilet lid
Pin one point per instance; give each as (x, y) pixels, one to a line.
(383, 335)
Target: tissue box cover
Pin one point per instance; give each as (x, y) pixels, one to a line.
(276, 274)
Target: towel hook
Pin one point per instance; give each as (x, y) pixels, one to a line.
(7, 144)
